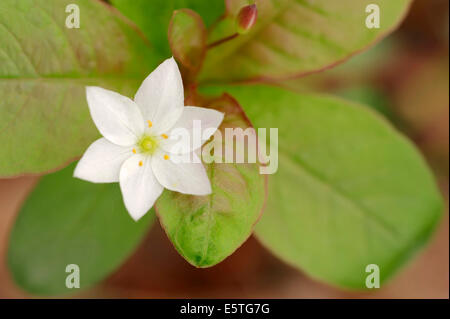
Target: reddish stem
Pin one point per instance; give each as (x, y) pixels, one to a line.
(219, 42)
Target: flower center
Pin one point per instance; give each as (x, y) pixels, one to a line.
(148, 144)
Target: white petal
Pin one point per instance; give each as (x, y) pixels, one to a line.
(117, 117)
(199, 123)
(186, 178)
(161, 96)
(140, 189)
(102, 161)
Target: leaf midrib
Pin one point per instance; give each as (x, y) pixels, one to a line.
(210, 214)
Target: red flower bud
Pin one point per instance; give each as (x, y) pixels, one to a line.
(246, 18)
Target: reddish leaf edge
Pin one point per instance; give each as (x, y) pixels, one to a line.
(202, 26)
(297, 75)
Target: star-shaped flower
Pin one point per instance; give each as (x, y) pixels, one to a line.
(136, 148)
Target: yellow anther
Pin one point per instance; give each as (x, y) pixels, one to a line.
(166, 157)
(150, 124)
(164, 136)
(140, 163)
(134, 150)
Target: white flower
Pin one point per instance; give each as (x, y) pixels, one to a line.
(136, 143)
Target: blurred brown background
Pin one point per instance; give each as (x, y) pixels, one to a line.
(406, 78)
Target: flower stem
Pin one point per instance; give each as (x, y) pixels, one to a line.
(223, 40)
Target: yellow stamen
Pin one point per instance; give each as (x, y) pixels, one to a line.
(166, 157)
(164, 136)
(150, 124)
(140, 163)
(134, 151)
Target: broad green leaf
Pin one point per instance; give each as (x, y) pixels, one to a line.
(207, 229)
(68, 221)
(153, 16)
(367, 95)
(296, 37)
(44, 68)
(349, 190)
(187, 38)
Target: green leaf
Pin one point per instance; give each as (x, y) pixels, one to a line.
(153, 16)
(350, 190)
(44, 68)
(207, 229)
(187, 38)
(370, 96)
(69, 221)
(296, 37)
